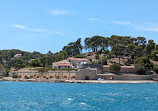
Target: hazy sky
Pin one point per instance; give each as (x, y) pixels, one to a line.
(43, 25)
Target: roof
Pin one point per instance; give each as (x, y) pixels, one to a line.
(17, 55)
(78, 59)
(62, 63)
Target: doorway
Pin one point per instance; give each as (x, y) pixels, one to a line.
(87, 78)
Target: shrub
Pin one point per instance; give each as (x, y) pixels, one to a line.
(80, 56)
(155, 69)
(140, 69)
(104, 61)
(15, 76)
(115, 68)
(27, 78)
(142, 65)
(154, 55)
(93, 62)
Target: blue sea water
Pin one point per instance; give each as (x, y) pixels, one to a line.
(34, 96)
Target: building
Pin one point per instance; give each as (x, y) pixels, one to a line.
(78, 62)
(81, 74)
(71, 63)
(17, 55)
(62, 64)
(80, 69)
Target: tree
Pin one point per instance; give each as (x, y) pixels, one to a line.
(138, 51)
(97, 57)
(142, 65)
(49, 53)
(95, 43)
(118, 50)
(103, 61)
(155, 69)
(2, 70)
(141, 41)
(73, 48)
(150, 46)
(154, 55)
(19, 63)
(130, 48)
(36, 63)
(115, 68)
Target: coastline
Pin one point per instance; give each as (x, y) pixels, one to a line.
(79, 81)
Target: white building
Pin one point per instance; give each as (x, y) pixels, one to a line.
(71, 63)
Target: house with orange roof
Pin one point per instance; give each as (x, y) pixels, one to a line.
(71, 63)
(62, 64)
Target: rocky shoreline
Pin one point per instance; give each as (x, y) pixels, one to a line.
(78, 81)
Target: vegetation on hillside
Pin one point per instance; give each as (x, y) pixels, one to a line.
(136, 50)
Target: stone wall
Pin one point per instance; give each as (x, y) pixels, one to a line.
(46, 75)
(124, 69)
(86, 74)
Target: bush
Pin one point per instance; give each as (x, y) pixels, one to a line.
(103, 61)
(80, 56)
(15, 76)
(154, 55)
(93, 62)
(140, 69)
(155, 69)
(115, 68)
(142, 65)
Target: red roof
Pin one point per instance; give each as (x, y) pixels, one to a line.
(79, 59)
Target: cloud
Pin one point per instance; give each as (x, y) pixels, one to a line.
(58, 32)
(122, 22)
(19, 26)
(152, 27)
(148, 28)
(58, 12)
(28, 29)
(38, 30)
(94, 19)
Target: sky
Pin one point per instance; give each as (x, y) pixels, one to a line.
(43, 25)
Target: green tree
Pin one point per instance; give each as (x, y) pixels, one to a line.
(19, 63)
(97, 57)
(150, 46)
(115, 68)
(143, 65)
(36, 63)
(118, 50)
(155, 69)
(154, 55)
(103, 61)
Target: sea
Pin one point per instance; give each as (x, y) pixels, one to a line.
(41, 96)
